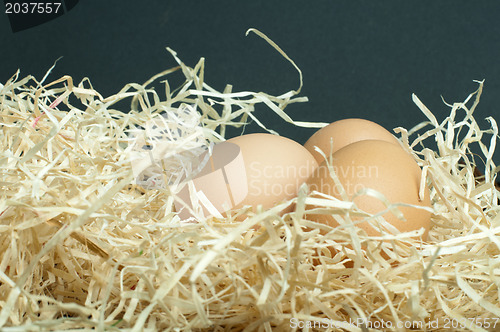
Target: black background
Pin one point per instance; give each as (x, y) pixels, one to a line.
(359, 58)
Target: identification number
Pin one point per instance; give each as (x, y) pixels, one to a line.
(32, 7)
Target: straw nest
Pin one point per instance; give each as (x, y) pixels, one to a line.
(83, 246)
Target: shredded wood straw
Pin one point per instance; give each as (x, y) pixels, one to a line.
(83, 246)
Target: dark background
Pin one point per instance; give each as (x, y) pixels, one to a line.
(359, 58)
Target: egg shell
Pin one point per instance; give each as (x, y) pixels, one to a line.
(345, 132)
(275, 168)
(384, 167)
(222, 181)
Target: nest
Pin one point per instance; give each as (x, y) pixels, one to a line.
(83, 246)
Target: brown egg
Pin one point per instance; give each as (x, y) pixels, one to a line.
(275, 168)
(345, 132)
(384, 167)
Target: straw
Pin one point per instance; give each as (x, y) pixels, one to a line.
(85, 247)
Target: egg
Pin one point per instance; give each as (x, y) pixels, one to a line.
(275, 168)
(345, 132)
(214, 183)
(384, 167)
